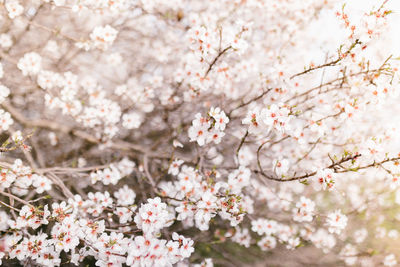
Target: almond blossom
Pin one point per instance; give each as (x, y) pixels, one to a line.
(178, 133)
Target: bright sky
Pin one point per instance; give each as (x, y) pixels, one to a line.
(328, 34)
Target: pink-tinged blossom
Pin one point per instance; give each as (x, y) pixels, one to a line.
(30, 64)
(281, 167)
(336, 222)
(152, 216)
(132, 120)
(208, 129)
(41, 183)
(4, 92)
(304, 210)
(264, 226)
(324, 179)
(103, 37)
(125, 196)
(242, 237)
(14, 8)
(390, 260)
(5, 41)
(181, 124)
(5, 120)
(174, 167)
(267, 243)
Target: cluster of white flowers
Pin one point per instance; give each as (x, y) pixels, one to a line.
(101, 112)
(4, 92)
(141, 94)
(103, 37)
(368, 27)
(238, 179)
(114, 173)
(336, 222)
(20, 178)
(262, 121)
(304, 210)
(202, 40)
(347, 254)
(5, 41)
(208, 129)
(324, 179)
(30, 63)
(281, 167)
(153, 216)
(14, 8)
(264, 226)
(125, 196)
(322, 239)
(390, 260)
(208, 43)
(82, 238)
(5, 117)
(242, 237)
(132, 120)
(272, 232)
(121, 161)
(197, 201)
(98, 112)
(174, 167)
(97, 203)
(150, 251)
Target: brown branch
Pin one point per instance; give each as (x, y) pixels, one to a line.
(216, 59)
(56, 32)
(332, 166)
(66, 169)
(56, 180)
(309, 151)
(250, 101)
(148, 174)
(241, 144)
(46, 124)
(374, 164)
(16, 198)
(8, 206)
(332, 63)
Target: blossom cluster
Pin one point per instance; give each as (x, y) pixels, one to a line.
(198, 199)
(188, 133)
(82, 237)
(20, 179)
(208, 129)
(262, 121)
(114, 173)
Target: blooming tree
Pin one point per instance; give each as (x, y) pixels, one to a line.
(193, 133)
